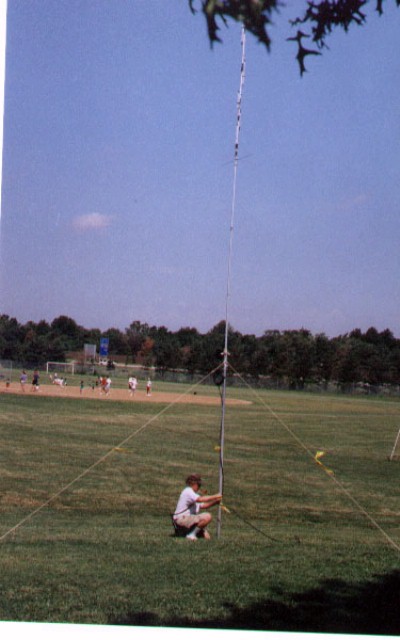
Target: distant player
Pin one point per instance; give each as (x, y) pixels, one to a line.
(107, 386)
(35, 381)
(148, 387)
(132, 384)
(23, 379)
(60, 382)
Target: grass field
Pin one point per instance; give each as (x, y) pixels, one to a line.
(301, 550)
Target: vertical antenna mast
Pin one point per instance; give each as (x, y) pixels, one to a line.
(3, 38)
(228, 285)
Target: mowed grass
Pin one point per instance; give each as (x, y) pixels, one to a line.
(87, 489)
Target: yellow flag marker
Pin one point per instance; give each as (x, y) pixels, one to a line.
(217, 449)
(317, 457)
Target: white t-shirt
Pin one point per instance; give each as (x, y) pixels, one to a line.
(187, 505)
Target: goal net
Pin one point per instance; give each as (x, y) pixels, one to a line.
(60, 367)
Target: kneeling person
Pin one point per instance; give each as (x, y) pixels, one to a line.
(187, 513)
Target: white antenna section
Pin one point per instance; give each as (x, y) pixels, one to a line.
(228, 285)
(3, 37)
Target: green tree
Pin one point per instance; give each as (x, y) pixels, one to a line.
(248, 351)
(91, 336)
(136, 334)
(190, 342)
(388, 340)
(372, 336)
(371, 355)
(37, 348)
(299, 349)
(324, 354)
(56, 350)
(320, 17)
(118, 341)
(66, 328)
(269, 358)
(393, 365)
(11, 336)
(41, 328)
(167, 353)
(187, 336)
(359, 361)
(344, 368)
(212, 347)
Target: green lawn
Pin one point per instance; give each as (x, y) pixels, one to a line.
(300, 551)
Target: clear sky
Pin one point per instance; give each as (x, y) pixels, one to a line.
(118, 167)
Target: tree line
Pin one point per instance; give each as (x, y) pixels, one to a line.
(293, 358)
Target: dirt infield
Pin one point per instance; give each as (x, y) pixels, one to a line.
(122, 395)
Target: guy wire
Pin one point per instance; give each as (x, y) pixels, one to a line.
(102, 458)
(343, 489)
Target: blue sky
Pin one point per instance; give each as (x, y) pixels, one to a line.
(119, 135)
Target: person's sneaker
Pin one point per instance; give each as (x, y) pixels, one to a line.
(190, 536)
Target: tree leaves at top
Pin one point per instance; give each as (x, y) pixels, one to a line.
(325, 16)
(256, 16)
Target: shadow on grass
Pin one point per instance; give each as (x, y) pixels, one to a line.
(334, 607)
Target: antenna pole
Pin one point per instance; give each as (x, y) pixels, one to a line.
(228, 285)
(3, 38)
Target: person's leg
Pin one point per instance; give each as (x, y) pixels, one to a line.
(201, 527)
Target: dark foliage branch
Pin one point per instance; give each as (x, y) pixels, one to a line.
(325, 16)
(254, 14)
(322, 17)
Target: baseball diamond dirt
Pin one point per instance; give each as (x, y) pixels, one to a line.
(121, 395)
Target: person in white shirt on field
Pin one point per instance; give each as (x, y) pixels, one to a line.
(107, 386)
(132, 383)
(188, 509)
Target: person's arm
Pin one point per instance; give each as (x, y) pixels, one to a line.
(209, 501)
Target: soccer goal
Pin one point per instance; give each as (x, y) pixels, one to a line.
(60, 367)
